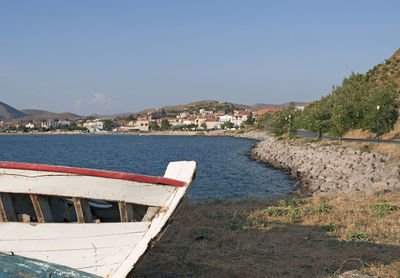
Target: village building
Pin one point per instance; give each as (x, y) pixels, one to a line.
(204, 112)
(226, 118)
(189, 121)
(3, 126)
(94, 126)
(50, 124)
(183, 115)
(33, 125)
(143, 124)
(213, 123)
(239, 117)
(64, 122)
(127, 128)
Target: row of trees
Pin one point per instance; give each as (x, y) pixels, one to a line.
(23, 128)
(356, 104)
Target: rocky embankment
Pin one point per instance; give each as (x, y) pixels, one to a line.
(329, 169)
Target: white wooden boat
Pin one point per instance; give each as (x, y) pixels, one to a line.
(87, 222)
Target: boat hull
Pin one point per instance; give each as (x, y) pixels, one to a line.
(96, 248)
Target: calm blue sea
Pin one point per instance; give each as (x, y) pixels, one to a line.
(224, 170)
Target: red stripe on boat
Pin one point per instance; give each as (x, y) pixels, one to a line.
(90, 172)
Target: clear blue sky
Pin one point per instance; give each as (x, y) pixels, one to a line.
(123, 56)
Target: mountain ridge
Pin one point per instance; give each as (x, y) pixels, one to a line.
(9, 113)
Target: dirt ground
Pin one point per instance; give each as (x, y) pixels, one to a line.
(281, 237)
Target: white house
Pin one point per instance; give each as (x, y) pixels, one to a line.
(226, 118)
(94, 126)
(240, 117)
(50, 124)
(64, 122)
(189, 121)
(213, 123)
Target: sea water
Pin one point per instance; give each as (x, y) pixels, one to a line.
(224, 169)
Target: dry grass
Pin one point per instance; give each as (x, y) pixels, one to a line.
(360, 134)
(315, 237)
(363, 134)
(394, 134)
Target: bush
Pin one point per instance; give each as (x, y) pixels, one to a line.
(322, 208)
(330, 227)
(358, 236)
(291, 202)
(381, 210)
(273, 212)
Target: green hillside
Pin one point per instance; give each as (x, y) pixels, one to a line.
(384, 73)
(363, 101)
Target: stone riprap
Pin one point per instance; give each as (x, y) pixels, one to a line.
(329, 169)
(255, 135)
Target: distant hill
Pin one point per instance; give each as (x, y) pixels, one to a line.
(37, 115)
(215, 106)
(8, 112)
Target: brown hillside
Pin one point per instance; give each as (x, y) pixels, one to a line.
(216, 106)
(388, 71)
(8, 112)
(38, 115)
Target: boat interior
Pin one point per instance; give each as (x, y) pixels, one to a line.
(20, 207)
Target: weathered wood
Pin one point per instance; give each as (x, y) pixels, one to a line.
(106, 249)
(3, 216)
(114, 190)
(42, 208)
(183, 171)
(94, 248)
(89, 172)
(7, 211)
(126, 212)
(82, 209)
(14, 231)
(151, 212)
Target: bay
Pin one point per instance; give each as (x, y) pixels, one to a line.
(224, 170)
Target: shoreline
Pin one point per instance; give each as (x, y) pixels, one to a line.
(330, 169)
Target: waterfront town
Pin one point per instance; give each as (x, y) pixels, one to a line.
(152, 121)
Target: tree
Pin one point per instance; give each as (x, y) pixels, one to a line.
(154, 126)
(204, 126)
(264, 121)
(284, 121)
(165, 125)
(316, 117)
(227, 125)
(250, 119)
(340, 122)
(382, 111)
(108, 124)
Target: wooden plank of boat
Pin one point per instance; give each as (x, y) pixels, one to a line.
(34, 182)
(104, 249)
